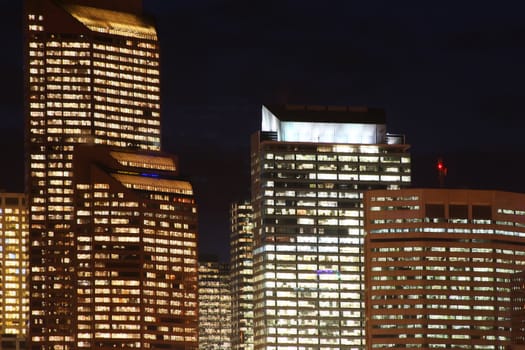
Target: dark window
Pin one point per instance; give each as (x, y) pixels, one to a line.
(458, 211)
(483, 212)
(11, 201)
(435, 211)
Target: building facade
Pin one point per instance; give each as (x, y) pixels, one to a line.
(92, 76)
(214, 304)
(440, 267)
(241, 274)
(136, 252)
(14, 292)
(310, 168)
(518, 310)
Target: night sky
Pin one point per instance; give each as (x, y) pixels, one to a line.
(450, 75)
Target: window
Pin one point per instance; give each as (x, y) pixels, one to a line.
(435, 211)
(482, 212)
(458, 211)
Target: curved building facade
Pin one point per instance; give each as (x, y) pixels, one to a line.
(440, 265)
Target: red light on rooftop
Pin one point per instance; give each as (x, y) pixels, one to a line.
(442, 172)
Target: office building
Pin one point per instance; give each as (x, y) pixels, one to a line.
(91, 77)
(310, 168)
(14, 294)
(214, 304)
(241, 274)
(440, 265)
(136, 252)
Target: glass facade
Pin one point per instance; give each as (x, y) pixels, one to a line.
(14, 293)
(241, 274)
(440, 266)
(214, 305)
(92, 77)
(308, 235)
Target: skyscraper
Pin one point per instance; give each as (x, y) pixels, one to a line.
(241, 274)
(310, 167)
(136, 252)
(14, 294)
(92, 76)
(440, 267)
(214, 304)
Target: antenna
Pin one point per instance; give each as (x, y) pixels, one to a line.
(442, 171)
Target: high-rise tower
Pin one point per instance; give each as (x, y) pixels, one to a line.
(310, 168)
(136, 252)
(214, 304)
(241, 274)
(92, 76)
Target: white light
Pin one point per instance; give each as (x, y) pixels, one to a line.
(330, 132)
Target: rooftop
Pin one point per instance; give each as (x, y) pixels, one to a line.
(328, 114)
(107, 21)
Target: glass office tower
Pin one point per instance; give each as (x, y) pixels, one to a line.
(310, 168)
(241, 274)
(14, 293)
(135, 252)
(92, 76)
(215, 311)
(441, 266)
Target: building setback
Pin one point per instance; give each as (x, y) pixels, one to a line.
(310, 166)
(14, 293)
(136, 252)
(214, 304)
(440, 265)
(241, 274)
(92, 76)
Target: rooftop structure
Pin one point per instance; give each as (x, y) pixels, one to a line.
(326, 124)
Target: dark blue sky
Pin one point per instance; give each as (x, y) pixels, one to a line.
(450, 75)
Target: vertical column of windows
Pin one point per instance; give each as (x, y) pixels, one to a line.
(67, 96)
(37, 165)
(214, 305)
(170, 270)
(37, 158)
(241, 275)
(14, 263)
(85, 274)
